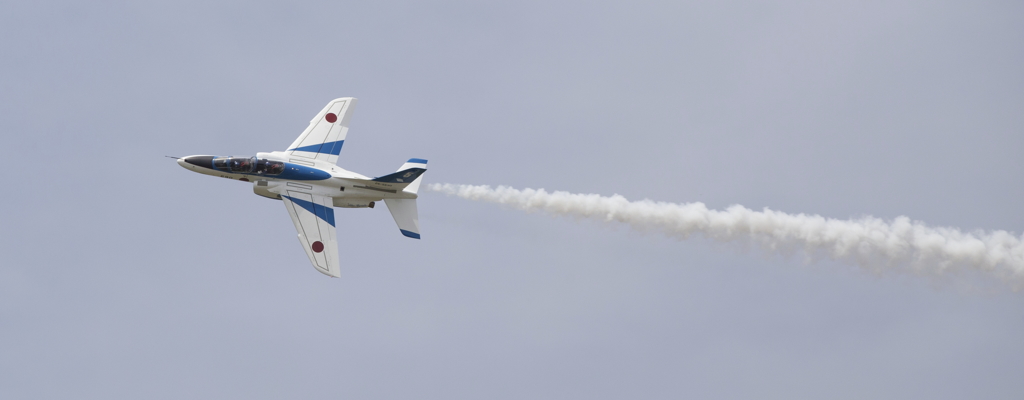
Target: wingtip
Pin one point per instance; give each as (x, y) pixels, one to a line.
(328, 273)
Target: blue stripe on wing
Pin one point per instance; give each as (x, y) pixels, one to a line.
(324, 213)
(332, 148)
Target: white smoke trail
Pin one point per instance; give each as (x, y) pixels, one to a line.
(869, 242)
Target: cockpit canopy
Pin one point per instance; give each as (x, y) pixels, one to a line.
(248, 165)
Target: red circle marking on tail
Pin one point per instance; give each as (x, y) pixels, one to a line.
(331, 117)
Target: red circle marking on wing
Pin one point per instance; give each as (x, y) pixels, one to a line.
(317, 246)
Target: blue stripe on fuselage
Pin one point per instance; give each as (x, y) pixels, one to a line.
(324, 213)
(298, 172)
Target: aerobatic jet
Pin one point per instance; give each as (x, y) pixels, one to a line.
(306, 178)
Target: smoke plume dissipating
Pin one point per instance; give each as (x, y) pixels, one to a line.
(870, 242)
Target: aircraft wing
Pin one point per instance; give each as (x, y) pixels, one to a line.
(323, 138)
(313, 217)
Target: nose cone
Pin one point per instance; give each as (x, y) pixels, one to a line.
(191, 162)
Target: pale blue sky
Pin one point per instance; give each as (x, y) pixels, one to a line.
(126, 276)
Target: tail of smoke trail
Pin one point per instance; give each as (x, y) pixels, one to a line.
(870, 242)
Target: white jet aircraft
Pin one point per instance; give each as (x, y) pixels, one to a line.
(310, 184)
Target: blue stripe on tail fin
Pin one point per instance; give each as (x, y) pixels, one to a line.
(404, 176)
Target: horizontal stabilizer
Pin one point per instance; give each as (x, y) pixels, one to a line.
(406, 216)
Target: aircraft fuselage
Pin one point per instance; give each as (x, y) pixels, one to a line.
(269, 171)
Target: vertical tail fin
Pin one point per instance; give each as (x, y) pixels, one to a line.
(414, 163)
